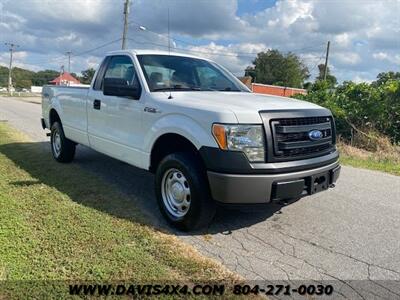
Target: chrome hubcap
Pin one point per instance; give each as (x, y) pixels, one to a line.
(56, 143)
(175, 193)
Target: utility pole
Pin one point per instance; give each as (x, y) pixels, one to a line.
(125, 32)
(12, 49)
(326, 60)
(61, 75)
(69, 60)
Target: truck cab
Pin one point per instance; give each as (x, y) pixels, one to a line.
(207, 138)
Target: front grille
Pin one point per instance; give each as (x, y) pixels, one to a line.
(291, 137)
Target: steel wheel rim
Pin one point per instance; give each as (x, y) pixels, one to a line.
(56, 143)
(175, 192)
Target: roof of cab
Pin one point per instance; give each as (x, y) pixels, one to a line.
(153, 52)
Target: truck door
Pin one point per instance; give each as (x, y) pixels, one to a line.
(115, 122)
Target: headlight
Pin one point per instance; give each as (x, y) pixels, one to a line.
(246, 138)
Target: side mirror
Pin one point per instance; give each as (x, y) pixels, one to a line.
(119, 87)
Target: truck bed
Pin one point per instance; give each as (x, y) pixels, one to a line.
(71, 102)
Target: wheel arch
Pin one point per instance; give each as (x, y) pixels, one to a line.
(169, 143)
(53, 117)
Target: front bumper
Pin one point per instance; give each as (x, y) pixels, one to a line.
(262, 188)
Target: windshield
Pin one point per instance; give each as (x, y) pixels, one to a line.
(179, 73)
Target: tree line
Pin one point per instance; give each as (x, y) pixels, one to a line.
(284, 69)
(23, 78)
(369, 109)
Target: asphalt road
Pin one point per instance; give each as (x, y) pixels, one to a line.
(351, 232)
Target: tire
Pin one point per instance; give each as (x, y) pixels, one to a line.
(175, 174)
(63, 149)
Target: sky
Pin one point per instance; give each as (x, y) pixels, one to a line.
(364, 34)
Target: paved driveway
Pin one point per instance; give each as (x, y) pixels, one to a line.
(349, 232)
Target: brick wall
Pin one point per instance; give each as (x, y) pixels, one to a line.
(276, 90)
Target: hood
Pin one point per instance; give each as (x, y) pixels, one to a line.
(245, 106)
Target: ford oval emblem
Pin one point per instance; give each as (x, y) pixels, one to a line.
(315, 135)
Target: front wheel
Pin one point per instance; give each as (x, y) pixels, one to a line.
(183, 193)
(63, 149)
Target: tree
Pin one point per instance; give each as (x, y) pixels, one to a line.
(22, 79)
(43, 77)
(308, 85)
(331, 80)
(383, 77)
(23, 84)
(371, 108)
(74, 75)
(87, 76)
(273, 67)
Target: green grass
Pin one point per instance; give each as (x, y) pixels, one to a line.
(59, 222)
(384, 162)
(387, 166)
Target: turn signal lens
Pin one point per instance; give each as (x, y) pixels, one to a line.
(219, 133)
(248, 139)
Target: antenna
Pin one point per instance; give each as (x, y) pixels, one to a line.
(169, 54)
(169, 38)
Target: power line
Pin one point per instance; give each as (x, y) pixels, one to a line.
(234, 53)
(48, 60)
(96, 48)
(317, 64)
(61, 58)
(237, 52)
(212, 53)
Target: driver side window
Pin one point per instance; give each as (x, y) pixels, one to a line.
(121, 69)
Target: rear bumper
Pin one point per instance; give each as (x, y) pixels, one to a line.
(262, 188)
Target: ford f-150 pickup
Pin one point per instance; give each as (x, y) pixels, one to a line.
(207, 138)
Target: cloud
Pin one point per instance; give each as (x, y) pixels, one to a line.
(386, 57)
(359, 79)
(235, 57)
(348, 58)
(194, 18)
(358, 31)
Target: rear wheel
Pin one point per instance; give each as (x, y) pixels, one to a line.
(63, 149)
(183, 193)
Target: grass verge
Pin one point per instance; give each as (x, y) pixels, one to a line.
(385, 161)
(59, 222)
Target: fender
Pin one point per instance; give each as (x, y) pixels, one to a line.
(57, 107)
(50, 102)
(47, 95)
(181, 125)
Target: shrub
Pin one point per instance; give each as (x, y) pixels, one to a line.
(371, 110)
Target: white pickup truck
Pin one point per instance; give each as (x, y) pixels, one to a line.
(207, 138)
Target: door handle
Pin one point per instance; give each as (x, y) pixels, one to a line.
(96, 104)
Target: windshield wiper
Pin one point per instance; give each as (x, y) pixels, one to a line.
(193, 88)
(229, 89)
(177, 88)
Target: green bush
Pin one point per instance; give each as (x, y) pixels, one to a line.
(367, 107)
